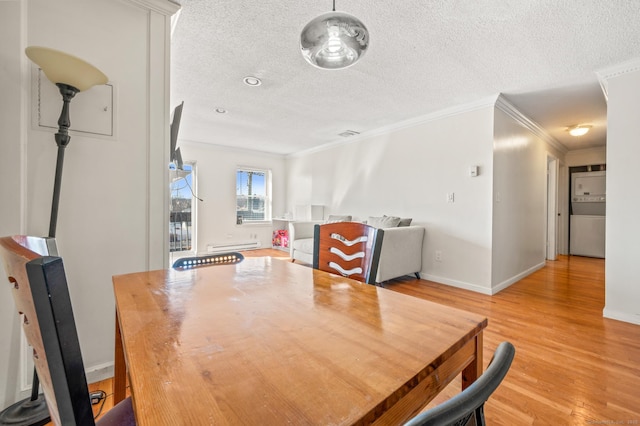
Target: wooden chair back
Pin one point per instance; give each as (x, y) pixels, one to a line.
(351, 249)
(41, 295)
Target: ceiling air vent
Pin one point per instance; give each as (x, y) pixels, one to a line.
(348, 133)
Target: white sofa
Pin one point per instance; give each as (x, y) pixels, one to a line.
(401, 252)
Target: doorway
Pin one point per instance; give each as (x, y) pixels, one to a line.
(552, 208)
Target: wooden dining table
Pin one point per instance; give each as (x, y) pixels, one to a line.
(266, 341)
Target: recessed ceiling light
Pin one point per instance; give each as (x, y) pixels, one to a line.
(252, 81)
(579, 130)
(221, 110)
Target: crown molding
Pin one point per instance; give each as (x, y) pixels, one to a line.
(508, 108)
(228, 148)
(412, 122)
(499, 101)
(616, 71)
(164, 7)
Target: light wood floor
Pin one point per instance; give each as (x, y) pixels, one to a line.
(572, 367)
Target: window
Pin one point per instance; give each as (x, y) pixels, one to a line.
(182, 208)
(253, 195)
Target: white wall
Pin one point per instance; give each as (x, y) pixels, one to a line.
(216, 175)
(11, 180)
(519, 201)
(114, 192)
(622, 271)
(495, 231)
(587, 156)
(408, 172)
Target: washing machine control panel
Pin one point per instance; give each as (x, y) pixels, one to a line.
(590, 199)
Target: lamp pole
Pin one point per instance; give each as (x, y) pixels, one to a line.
(62, 140)
(34, 411)
(62, 69)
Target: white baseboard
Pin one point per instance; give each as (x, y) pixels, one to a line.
(99, 372)
(94, 374)
(480, 289)
(621, 316)
(454, 283)
(506, 283)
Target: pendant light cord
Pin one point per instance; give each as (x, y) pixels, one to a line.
(334, 5)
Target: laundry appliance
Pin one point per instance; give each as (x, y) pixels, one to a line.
(588, 210)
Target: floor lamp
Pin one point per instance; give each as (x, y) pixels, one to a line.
(71, 75)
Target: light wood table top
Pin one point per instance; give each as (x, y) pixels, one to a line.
(267, 341)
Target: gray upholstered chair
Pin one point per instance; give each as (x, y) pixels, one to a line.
(41, 295)
(467, 408)
(351, 249)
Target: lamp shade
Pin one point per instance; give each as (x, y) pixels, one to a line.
(334, 40)
(60, 67)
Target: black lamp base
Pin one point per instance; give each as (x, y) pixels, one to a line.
(26, 413)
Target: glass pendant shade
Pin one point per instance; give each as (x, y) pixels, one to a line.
(334, 40)
(60, 67)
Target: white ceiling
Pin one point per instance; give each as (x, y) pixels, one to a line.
(424, 56)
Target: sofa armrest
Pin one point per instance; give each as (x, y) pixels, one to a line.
(299, 230)
(401, 252)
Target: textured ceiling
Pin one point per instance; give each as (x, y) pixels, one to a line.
(424, 56)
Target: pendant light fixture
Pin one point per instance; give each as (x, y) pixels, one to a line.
(334, 40)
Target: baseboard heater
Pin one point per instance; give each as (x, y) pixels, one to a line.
(236, 246)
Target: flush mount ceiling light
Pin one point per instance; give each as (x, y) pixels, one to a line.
(221, 110)
(579, 130)
(334, 40)
(252, 81)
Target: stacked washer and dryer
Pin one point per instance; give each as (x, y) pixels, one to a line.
(588, 210)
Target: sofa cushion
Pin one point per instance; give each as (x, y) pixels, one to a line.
(405, 221)
(338, 218)
(305, 245)
(383, 222)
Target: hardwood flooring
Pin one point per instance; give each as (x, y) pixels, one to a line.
(572, 366)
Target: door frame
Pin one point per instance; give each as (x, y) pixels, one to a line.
(552, 208)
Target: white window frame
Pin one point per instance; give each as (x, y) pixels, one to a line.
(268, 202)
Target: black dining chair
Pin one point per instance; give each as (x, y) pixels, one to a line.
(351, 249)
(185, 263)
(42, 297)
(467, 407)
